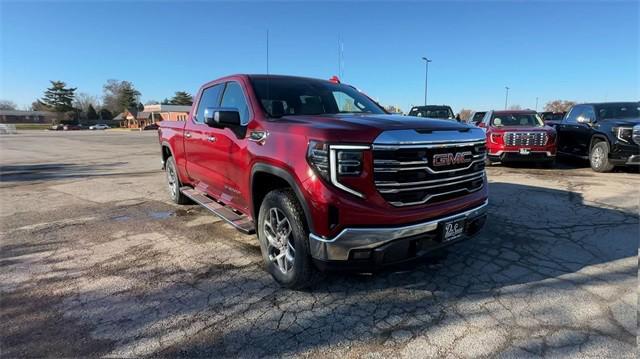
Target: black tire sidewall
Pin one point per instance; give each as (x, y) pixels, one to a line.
(285, 201)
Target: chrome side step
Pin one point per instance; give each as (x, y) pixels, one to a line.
(240, 221)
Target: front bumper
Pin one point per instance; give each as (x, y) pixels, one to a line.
(388, 245)
(516, 156)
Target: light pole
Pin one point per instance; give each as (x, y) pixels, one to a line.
(536, 104)
(426, 76)
(506, 96)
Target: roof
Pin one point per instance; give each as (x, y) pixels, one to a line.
(432, 107)
(166, 108)
(143, 115)
(26, 113)
(608, 103)
(119, 117)
(506, 112)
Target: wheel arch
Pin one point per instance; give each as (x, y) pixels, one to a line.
(598, 137)
(274, 177)
(166, 153)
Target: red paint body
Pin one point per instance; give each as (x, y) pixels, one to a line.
(496, 137)
(224, 169)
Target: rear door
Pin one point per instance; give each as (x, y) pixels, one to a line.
(200, 145)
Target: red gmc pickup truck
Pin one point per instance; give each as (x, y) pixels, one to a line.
(324, 175)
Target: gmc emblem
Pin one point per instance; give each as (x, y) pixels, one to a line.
(447, 159)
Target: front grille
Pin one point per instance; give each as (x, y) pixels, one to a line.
(525, 138)
(409, 175)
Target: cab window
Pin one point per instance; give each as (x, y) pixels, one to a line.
(233, 97)
(210, 98)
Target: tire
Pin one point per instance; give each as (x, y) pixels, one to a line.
(286, 256)
(599, 157)
(173, 183)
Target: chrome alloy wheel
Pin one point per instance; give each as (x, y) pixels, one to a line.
(172, 181)
(277, 230)
(597, 157)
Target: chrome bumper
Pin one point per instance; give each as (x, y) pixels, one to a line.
(339, 247)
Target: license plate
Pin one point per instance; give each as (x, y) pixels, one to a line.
(525, 151)
(453, 229)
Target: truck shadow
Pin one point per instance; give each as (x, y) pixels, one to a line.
(540, 247)
(58, 171)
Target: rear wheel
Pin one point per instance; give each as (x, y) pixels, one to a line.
(599, 157)
(284, 239)
(173, 182)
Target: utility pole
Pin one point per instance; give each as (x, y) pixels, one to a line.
(506, 96)
(536, 104)
(426, 77)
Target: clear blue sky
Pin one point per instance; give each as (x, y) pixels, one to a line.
(584, 51)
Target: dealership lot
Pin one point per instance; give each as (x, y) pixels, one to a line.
(96, 260)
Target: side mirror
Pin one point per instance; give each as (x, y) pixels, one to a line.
(480, 124)
(277, 109)
(584, 120)
(221, 117)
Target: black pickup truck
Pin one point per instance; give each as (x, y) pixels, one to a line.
(608, 134)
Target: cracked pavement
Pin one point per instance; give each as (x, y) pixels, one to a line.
(96, 261)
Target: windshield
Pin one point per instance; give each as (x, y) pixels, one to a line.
(442, 112)
(618, 110)
(516, 119)
(477, 117)
(299, 96)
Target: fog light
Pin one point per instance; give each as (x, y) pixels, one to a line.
(361, 254)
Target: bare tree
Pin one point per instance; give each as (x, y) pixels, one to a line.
(515, 107)
(559, 105)
(465, 114)
(83, 100)
(119, 95)
(7, 105)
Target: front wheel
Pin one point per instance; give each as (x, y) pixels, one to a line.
(284, 239)
(599, 157)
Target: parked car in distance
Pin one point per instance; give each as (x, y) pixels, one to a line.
(56, 128)
(477, 117)
(433, 111)
(552, 118)
(516, 136)
(608, 134)
(324, 176)
(152, 126)
(72, 127)
(99, 127)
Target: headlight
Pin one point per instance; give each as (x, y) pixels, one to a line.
(624, 134)
(636, 134)
(497, 138)
(334, 161)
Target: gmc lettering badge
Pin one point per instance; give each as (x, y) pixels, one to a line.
(447, 159)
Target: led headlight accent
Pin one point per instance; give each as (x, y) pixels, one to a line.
(624, 134)
(636, 134)
(345, 160)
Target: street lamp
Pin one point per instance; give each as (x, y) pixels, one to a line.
(506, 96)
(426, 75)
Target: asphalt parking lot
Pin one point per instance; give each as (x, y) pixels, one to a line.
(96, 261)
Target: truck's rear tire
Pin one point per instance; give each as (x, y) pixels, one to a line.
(284, 239)
(173, 182)
(599, 157)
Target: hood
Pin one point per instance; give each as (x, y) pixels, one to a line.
(374, 122)
(521, 128)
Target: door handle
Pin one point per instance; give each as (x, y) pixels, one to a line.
(211, 139)
(187, 135)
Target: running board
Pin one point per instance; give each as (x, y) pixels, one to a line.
(240, 221)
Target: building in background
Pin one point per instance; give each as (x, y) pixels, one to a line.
(15, 116)
(153, 114)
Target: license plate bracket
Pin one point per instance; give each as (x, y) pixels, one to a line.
(453, 229)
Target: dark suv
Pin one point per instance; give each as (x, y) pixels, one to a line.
(608, 134)
(433, 111)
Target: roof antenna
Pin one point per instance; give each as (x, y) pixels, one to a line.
(270, 110)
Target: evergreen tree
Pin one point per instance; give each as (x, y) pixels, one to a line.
(58, 97)
(105, 115)
(91, 113)
(128, 97)
(181, 98)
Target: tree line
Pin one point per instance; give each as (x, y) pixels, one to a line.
(72, 106)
